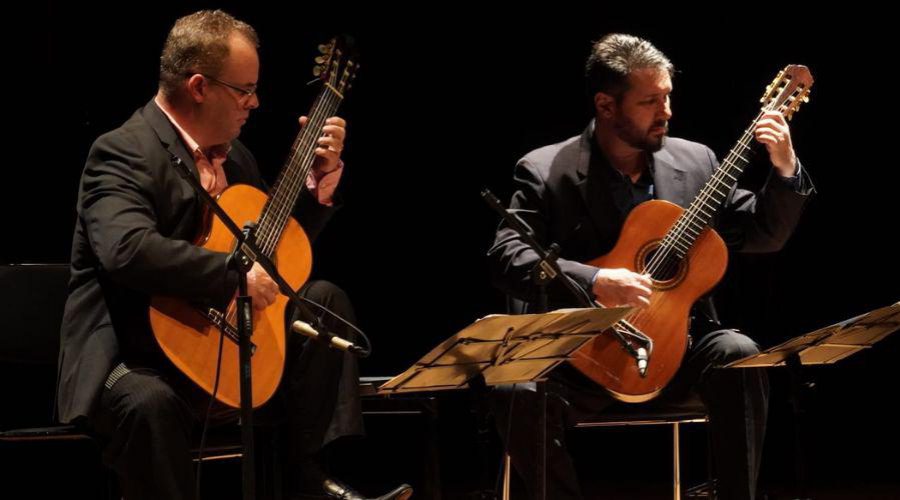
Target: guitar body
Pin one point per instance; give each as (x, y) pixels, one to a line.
(603, 359)
(190, 337)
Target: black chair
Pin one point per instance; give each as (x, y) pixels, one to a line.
(689, 411)
(32, 299)
(31, 307)
(405, 406)
(32, 443)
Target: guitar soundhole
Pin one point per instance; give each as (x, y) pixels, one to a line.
(663, 268)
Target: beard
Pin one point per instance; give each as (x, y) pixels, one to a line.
(640, 139)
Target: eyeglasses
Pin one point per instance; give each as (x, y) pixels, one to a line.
(245, 93)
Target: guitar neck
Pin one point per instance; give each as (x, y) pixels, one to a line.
(698, 216)
(293, 175)
(785, 94)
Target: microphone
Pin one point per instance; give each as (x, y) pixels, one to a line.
(642, 361)
(304, 328)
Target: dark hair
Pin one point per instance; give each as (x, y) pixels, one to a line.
(614, 57)
(198, 43)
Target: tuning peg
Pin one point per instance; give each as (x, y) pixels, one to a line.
(325, 48)
(767, 94)
(321, 60)
(317, 71)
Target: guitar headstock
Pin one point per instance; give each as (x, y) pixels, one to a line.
(788, 90)
(331, 67)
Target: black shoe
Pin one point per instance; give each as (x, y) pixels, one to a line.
(340, 491)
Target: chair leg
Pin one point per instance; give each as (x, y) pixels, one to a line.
(507, 465)
(676, 460)
(433, 461)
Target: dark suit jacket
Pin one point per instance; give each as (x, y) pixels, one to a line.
(136, 220)
(566, 202)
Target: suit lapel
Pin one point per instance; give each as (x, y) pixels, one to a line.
(168, 136)
(669, 180)
(670, 184)
(593, 185)
(174, 145)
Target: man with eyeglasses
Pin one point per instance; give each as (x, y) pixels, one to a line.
(136, 219)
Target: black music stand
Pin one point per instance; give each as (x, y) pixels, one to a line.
(508, 349)
(505, 349)
(822, 347)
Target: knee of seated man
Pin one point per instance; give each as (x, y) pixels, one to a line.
(335, 299)
(323, 291)
(152, 400)
(735, 345)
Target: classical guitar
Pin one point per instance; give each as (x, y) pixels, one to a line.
(685, 259)
(189, 334)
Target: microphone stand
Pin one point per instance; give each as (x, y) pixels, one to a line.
(542, 274)
(244, 255)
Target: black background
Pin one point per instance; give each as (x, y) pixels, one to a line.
(448, 98)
